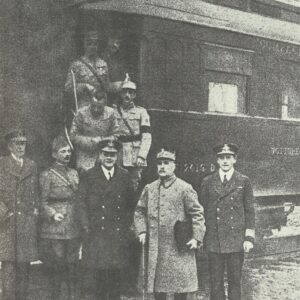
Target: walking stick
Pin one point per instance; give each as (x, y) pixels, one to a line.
(143, 271)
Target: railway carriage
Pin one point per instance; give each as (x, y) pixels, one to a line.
(207, 71)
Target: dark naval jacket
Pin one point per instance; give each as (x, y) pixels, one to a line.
(228, 212)
(106, 208)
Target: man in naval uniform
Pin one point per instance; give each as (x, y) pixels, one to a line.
(162, 203)
(59, 243)
(92, 124)
(106, 211)
(134, 130)
(19, 203)
(228, 202)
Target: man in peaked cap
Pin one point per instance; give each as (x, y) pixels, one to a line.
(227, 198)
(162, 203)
(106, 205)
(59, 243)
(135, 132)
(19, 203)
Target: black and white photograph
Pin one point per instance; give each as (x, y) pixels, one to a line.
(149, 149)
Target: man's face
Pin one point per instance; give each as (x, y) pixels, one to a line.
(127, 95)
(63, 155)
(165, 168)
(17, 148)
(226, 162)
(113, 45)
(97, 104)
(91, 48)
(108, 159)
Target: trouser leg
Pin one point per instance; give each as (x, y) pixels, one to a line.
(234, 264)
(8, 280)
(91, 284)
(114, 284)
(180, 296)
(22, 280)
(102, 285)
(216, 263)
(160, 296)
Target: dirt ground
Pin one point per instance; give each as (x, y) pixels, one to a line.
(268, 278)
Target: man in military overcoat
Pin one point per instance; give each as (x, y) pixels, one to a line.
(19, 203)
(135, 133)
(162, 203)
(228, 202)
(106, 212)
(59, 243)
(92, 124)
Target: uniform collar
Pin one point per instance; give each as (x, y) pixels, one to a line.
(107, 172)
(228, 174)
(131, 106)
(60, 167)
(166, 183)
(19, 161)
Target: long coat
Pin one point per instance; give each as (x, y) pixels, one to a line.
(159, 207)
(106, 208)
(19, 199)
(228, 212)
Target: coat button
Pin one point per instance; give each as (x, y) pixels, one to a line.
(103, 206)
(118, 218)
(18, 202)
(118, 207)
(231, 198)
(103, 218)
(102, 227)
(218, 209)
(231, 217)
(218, 218)
(118, 229)
(231, 207)
(19, 212)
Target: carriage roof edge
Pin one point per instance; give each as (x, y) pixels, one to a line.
(205, 14)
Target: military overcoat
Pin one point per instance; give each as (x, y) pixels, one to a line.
(106, 208)
(159, 207)
(228, 212)
(18, 197)
(85, 127)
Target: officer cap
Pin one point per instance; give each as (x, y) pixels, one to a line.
(59, 142)
(226, 149)
(166, 154)
(128, 84)
(109, 146)
(91, 35)
(17, 135)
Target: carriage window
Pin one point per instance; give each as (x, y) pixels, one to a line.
(226, 92)
(223, 98)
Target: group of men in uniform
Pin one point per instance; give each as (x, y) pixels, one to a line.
(94, 207)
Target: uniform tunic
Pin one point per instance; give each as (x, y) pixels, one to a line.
(139, 144)
(85, 127)
(158, 209)
(83, 75)
(106, 208)
(58, 187)
(228, 210)
(19, 196)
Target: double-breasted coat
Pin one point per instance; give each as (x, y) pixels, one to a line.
(159, 207)
(228, 211)
(19, 199)
(106, 208)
